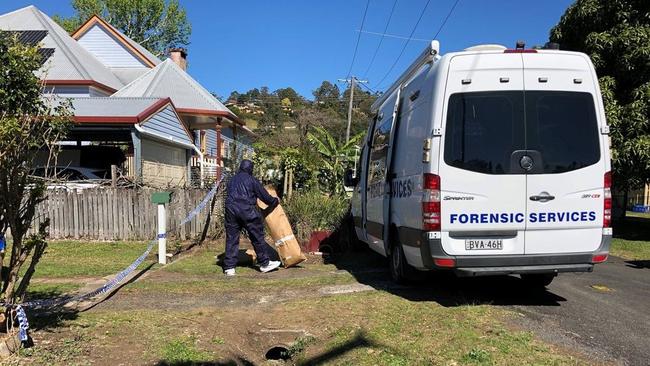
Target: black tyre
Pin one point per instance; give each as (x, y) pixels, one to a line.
(538, 279)
(400, 270)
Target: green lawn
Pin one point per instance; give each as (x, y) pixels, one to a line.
(631, 249)
(632, 237)
(642, 215)
(88, 259)
(374, 327)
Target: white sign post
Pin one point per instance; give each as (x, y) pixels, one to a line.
(162, 234)
(162, 198)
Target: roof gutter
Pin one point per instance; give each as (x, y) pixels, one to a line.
(165, 138)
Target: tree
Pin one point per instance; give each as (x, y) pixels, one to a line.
(616, 35)
(327, 95)
(311, 117)
(335, 158)
(158, 25)
(29, 123)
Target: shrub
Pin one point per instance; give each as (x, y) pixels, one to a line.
(313, 211)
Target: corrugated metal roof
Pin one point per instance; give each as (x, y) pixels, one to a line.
(127, 75)
(169, 80)
(70, 61)
(110, 106)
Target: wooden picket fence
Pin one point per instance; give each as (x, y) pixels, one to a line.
(122, 214)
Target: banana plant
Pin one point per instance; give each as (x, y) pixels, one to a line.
(335, 157)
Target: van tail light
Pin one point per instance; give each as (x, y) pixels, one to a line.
(607, 194)
(599, 258)
(445, 262)
(431, 202)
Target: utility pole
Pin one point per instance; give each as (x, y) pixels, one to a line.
(352, 81)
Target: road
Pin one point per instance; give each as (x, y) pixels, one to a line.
(605, 313)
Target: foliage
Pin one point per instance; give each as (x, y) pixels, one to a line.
(156, 24)
(616, 35)
(335, 158)
(313, 211)
(28, 123)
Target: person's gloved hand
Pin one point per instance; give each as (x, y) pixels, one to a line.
(268, 210)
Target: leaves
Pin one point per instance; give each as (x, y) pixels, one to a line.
(29, 124)
(616, 35)
(335, 158)
(155, 24)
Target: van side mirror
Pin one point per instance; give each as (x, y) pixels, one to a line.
(349, 179)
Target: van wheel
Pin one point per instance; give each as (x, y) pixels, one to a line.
(400, 270)
(538, 279)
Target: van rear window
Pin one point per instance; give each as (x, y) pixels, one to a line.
(563, 127)
(484, 129)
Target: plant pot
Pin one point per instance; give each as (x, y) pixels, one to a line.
(315, 240)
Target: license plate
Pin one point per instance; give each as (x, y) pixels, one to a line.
(484, 244)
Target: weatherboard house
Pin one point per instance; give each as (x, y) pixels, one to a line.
(172, 129)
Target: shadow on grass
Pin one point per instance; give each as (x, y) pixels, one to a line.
(444, 288)
(239, 361)
(47, 318)
(359, 340)
(633, 228)
(638, 264)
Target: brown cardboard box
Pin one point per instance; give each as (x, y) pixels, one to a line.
(284, 241)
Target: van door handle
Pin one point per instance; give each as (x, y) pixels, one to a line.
(542, 198)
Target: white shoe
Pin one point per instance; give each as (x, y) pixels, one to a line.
(229, 272)
(271, 266)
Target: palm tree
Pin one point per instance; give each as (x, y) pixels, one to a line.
(335, 158)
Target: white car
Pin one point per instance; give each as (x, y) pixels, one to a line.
(70, 177)
(488, 161)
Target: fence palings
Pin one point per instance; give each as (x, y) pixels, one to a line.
(117, 214)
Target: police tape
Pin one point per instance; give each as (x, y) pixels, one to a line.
(110, 285)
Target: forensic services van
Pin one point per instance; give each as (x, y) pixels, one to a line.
(488, 161)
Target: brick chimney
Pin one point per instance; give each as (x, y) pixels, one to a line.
(179, 56)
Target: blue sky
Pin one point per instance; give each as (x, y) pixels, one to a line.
(239, 45)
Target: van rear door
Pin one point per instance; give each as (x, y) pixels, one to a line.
(565, 182)
(483, 190)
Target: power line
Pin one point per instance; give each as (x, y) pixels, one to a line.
(381, 40)
(356, 47)
(447, 18)
(369, 88)
(405, 44)
(394, 36)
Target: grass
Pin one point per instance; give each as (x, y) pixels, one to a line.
(91, 259)
(641, 215)
(632, 237)
(183, 350)
(388, 330)
(49, 290)
(631, 249)
(366, 328)
(372, 328)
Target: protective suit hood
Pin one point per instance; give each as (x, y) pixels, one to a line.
(246, 166)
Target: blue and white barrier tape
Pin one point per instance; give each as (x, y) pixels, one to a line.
(20, 311)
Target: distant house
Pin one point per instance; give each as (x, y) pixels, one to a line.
(170, 127)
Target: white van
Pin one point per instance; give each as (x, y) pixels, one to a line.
(488, 161)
